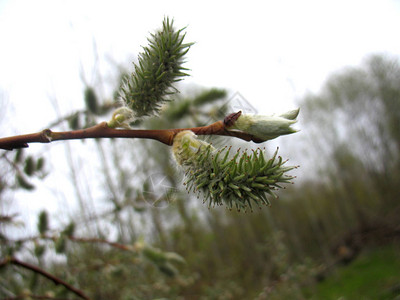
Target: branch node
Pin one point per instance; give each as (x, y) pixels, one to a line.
(47, 136)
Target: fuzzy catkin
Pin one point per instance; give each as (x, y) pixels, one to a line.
(159, 66)
(239, 181)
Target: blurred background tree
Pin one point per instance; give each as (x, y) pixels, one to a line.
(136, 234)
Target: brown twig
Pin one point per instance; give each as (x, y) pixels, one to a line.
(102, 130)
(56, 280)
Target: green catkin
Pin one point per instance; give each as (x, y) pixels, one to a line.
(237, 182)
(159, 67)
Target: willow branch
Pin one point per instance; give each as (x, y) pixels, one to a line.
(56, 280)
(102, 130)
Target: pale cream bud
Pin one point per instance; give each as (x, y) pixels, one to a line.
(266, 127)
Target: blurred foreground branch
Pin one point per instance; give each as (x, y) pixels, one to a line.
(56, 280)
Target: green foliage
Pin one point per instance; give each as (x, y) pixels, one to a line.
(374, 275)
(39, 164)
(209, 96)
(40, 249)
(91, 101)
(18, 155)
(182, 108)
(60, 244)
(158, 68)
(23, 183)
(43, 222)
(74, 122)
(27, 168)
(163, 260)
(178, 110)
(69, 229)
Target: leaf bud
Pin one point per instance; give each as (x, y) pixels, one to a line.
(266, 127)
(121, 118)
(186, 148)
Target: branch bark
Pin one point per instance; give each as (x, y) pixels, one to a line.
(102, 130)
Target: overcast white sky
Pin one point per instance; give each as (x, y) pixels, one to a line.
(272, 52)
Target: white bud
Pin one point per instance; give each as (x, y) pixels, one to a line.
(186, 146)
(121, 118)
(267, 127)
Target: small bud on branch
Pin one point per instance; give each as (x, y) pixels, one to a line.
(263, 127)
